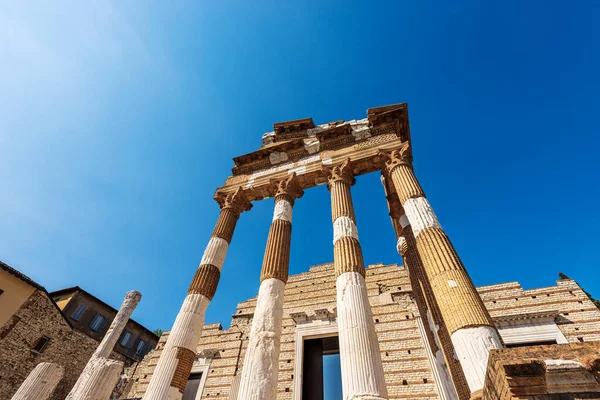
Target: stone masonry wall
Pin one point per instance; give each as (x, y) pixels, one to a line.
(408, 372)
(39, 317)
(578, 318)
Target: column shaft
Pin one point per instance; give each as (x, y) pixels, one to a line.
(472, 331)
(100, 379)
(85, 381)
(40, 383)
(360, 357)
(175, 363)
(261, 364)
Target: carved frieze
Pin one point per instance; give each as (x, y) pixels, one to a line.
(309, 150)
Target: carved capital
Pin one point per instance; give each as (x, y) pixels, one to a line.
(289, 187)
(399, 156)
(340, 173)
(237, 201)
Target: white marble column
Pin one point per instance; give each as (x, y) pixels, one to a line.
(175, 363)
(261, 364)
(40, 383)
(360, 356)
(89, 378)
(471, 328)
(99, 380)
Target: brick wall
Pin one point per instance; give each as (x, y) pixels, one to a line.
(407, 369)
(39, 317)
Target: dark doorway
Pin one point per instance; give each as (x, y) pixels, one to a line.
(321, 374)
(192, 386)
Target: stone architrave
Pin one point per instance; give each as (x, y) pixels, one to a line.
(40, 383)
(471, 328)
(175, 363)
(261, 364)
(360, 357)
(90, 379)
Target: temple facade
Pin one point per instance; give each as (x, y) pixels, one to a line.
(418, 331)
(525, 319)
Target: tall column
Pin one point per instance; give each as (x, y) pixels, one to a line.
(88, 380)
(40, 383)
(471, 328)
(360, 357)
(100, 379)
(261, 365)
(450, 379)
(175, 363)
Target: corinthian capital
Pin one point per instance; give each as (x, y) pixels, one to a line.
(237, 201)
(340, 173)
(289, 187)
(399, 156)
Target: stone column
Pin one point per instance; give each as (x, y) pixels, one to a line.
(437, 362)
(261, 364)
(471, 328)
(175, 363)
(99, 379)
(449, 377)
(40, 383)
(360, 357)
(88, 381)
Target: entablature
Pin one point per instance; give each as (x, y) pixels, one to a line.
(304, 148)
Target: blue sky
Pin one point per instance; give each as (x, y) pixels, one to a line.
(119, 119)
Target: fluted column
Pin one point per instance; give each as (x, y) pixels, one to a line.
(261, 364)
(360, 357)
(90, 381)
(40, 383)
(471, 328)
(99, 379)
(175, 363)
(449, 377)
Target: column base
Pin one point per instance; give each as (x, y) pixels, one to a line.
(472, 347)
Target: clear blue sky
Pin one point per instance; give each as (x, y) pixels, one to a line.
(119, 119)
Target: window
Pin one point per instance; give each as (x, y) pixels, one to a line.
(125, 338)
(98, 323)
(40, 345)
(79, 312)
(192, 386)
(140, 349)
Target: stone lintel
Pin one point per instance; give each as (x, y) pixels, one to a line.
(288, 142)
(542, 316)
(310, 170)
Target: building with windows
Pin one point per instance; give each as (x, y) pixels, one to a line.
(91, 316)
(417, 331)
(35, 329)
(526, 319)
